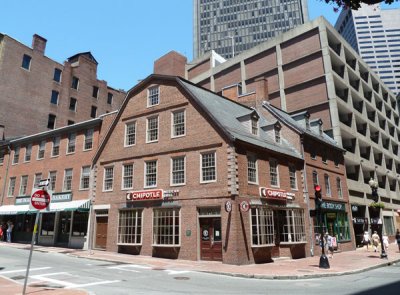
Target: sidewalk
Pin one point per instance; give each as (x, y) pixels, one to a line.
(342, 263)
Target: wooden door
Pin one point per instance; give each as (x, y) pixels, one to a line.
(211, 239)
(101, 232)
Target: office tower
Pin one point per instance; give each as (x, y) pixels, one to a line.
(39, 94)
(375, 34)
(231, 26)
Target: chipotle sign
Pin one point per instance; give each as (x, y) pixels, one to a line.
(273, 194)
(145, 195)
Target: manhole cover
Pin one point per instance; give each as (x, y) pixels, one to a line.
(18, 278)
(181, 278)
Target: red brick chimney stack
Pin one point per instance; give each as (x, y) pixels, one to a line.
(261, 90)
(39, 43)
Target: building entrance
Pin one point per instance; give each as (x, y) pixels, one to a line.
(210, 239)
(101, 232)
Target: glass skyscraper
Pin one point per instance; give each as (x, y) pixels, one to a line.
(375, 35)
(231, 26)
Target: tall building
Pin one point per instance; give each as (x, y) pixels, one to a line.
(333, 83)
(232, 26)
(375, 35)
(39, 94)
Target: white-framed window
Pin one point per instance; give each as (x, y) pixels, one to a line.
(166, 227)
(130, 227)
(53, 179)
(277, 133)
(153, 96)
(274, 172)
(327, 185)
(108, 178)
(292, 229)
(54, 97)
(16, 155)
(292, 176)
(11, 186)
(88, 143)
(127, 176)
(262, 227)
(85, 178)
(72, 104)
(152, 129)
(71, 143)
(42, 147)
(178, 123)
(38, 177)
(208, 167)
(254, 125)
(56, 147)
(23, 185)
(28, 152)
(178, 166)
(252, 172)
(339, 187)
(150, 173)
(75, 83)
(57, 75)
(130, 133)
(67, 180)
(315, 178)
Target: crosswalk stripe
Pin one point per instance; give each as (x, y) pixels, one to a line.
(23, 270)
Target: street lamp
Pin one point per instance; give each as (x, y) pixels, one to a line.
(376, 221)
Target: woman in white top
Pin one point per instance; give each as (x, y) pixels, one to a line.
(366, 239)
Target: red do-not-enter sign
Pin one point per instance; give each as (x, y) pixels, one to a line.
(40, 199)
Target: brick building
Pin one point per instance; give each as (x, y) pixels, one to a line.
(185, 173)
(47, 94)
(313, 68)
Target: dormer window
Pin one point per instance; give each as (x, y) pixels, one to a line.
(254, 125)
(153, 96)
(277, 131)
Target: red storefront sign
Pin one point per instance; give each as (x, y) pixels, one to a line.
(273, 194)
(145, 195)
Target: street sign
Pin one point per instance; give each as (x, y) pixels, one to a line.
(40, 199)
(244, 206)
(44, 182)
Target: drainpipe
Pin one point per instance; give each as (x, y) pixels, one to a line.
(6, 175)
(307, 199)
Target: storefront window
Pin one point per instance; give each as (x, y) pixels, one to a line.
(291, 226)
(24, 223)
(342, 231)
(47, 228)
(130, 227)
(262, 226)
(166, 227)
(80, 223)
(335, 223)
(388, 223)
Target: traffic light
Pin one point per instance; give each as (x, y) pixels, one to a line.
(318, 197)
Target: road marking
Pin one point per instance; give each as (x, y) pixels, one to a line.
(22, 270)
(176, 272)
(95, 283)
(43, 277)
(123, 267)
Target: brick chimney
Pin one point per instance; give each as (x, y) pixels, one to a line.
(1, 132)
(261, 90)
(39, 43)
(172, 63)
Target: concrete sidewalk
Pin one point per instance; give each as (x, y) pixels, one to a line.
(342, 263)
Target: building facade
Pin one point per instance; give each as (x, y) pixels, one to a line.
(313, 68)
(62, 94)
(375, 35)
(230, 27)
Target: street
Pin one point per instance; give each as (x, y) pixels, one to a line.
(57, 270)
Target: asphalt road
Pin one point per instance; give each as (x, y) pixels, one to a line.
(104, 278)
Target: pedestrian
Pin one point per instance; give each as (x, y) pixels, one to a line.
(398, 238)
(329, 244)
(366, 240)
(4, 230)
(375, 241)
(10, 227)
(1, 233)
(385, 241)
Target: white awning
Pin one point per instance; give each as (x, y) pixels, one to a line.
(78, 205)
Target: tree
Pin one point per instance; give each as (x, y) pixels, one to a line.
(355, 4)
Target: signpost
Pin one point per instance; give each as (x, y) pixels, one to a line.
(40, 200)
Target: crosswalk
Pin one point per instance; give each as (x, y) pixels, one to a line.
(71, 280)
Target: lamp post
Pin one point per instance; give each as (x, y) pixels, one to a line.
(376, 221)
(323, 260)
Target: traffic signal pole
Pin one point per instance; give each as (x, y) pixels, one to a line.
(323, 260)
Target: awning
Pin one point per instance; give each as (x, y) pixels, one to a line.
(78, 205)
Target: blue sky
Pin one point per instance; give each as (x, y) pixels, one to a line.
(125, 36)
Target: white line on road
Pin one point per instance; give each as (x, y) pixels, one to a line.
(22, 270)
(43, 277)
(129, 266)
(176, 272)
(92, 284)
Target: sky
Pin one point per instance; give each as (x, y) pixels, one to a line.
(125, 36)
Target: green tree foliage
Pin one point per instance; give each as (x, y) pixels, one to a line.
(355, 4)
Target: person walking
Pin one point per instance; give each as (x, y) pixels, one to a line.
(385, 241)
(4, 230)
(329, 244)
(398, 238)
(375, 241)
(366, 240)
(10, 227)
